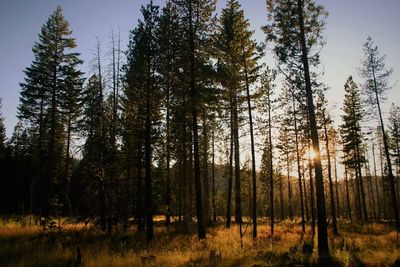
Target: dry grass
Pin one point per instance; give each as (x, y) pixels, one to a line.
(22, 244)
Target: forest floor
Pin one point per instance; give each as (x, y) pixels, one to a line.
(24, 244)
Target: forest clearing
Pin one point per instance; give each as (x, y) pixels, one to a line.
(21, 244)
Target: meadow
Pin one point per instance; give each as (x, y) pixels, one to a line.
(22, 243)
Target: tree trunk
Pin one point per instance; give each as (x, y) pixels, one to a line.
(230, 181)
(147, 148)
(305, 192)
(214, 208)
(186, 169)
(206, 184)
(376, 183)
(347, 194)
(358, 195)
(139, 191)
(289, 187)
(332, 197)
(66, 175)
(281, 197)
(271, 167)
(372, 197)
(361, 180)
(238, 206)
(253, 157)
(323, 249)
(168, 158)
(303, 227)
(384, 206)
(339, 211)
(312, 202)
(194, 102)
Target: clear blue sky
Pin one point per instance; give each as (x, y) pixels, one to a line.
(349, 23)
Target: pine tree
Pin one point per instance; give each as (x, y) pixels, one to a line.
(266, 104)
(42, 96)
(237, 59)
(141, 79)
(196, 23)
(91, 124)
(374, 71)
(352, 138)
(168, 39)
(302, 23)
(285, 144)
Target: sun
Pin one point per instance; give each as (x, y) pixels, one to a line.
(312, 153)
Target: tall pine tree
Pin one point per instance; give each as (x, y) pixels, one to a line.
(44, 95)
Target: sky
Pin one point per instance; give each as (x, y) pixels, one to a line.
(349, 24)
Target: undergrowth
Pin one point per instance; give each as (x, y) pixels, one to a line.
(22, 243)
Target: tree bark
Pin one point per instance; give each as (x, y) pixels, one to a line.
(312, 201)
(230, 180)
(238, 206)
(194, 102)
(303, 227)
(323, 249)
(253, 157)
(347, 194)
(332, 197)
(214, 208)
(206, 184)
(271, 167)
(361, 184)
(376, 183)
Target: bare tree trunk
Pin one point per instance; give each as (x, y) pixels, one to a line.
(281, 197)
(168, 156)
(139, 192)
(339, 212)
(358, 195)
(363, 202)
(148, 150)
(66, 176)
(312, 207)
(289, 189)
(186, 169)
(191, 185)
(347, 194)
(369, 187)
(206, 184)
(271, 167)
(230, 181)
(332, 197)
(303, 227)
(384, 206)
(238, 206)
(214, 208)
(376, 183)
(305, 193)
